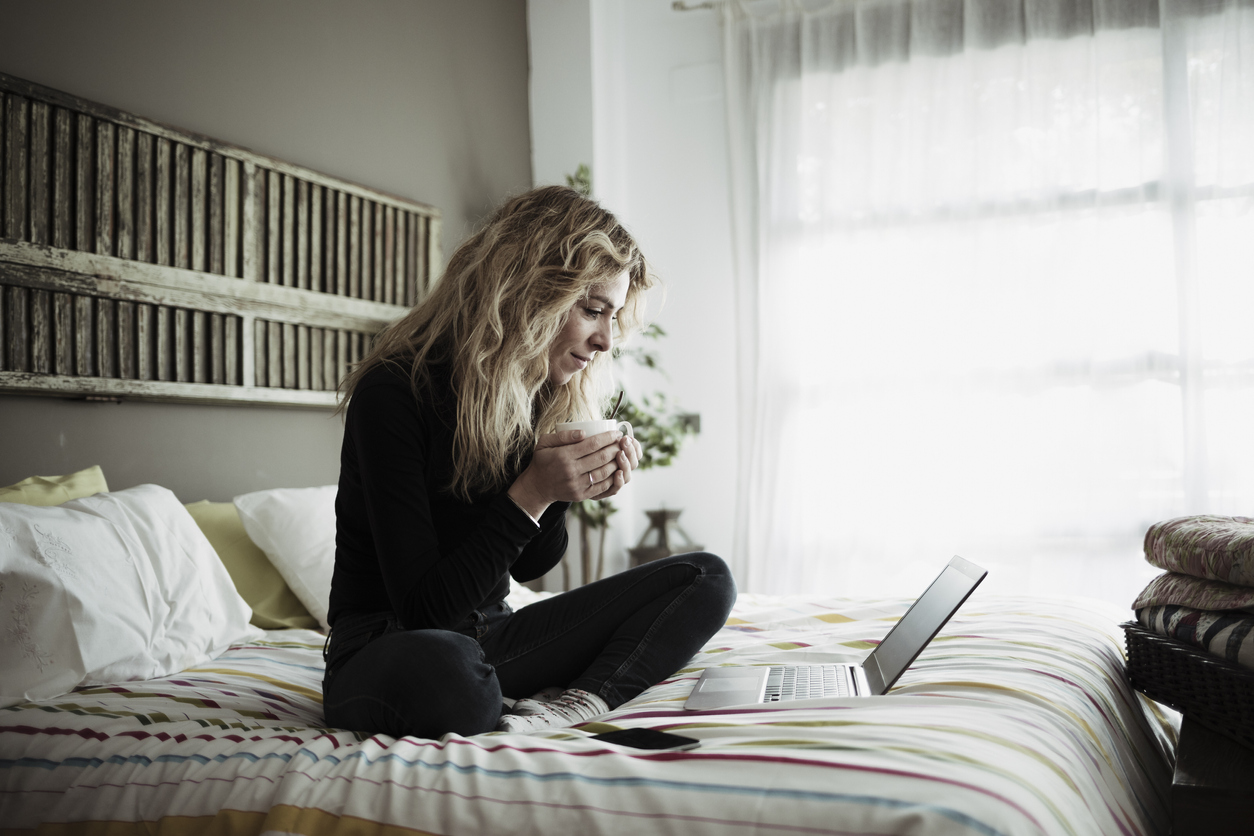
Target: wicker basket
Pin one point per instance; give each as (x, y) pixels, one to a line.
(1203, 687)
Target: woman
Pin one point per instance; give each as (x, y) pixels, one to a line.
(452, 480)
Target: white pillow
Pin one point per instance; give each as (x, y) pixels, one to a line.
(113, 587)
(520, 596)
(295, 527)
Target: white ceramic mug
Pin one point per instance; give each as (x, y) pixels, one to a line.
(591, 428)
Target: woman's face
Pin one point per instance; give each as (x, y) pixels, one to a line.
(589, 329)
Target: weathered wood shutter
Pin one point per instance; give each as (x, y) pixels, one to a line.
(141, 261)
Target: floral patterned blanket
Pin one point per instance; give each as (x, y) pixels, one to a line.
(1204, 546)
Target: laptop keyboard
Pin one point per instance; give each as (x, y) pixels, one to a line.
(804, 682)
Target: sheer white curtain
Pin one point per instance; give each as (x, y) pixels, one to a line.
(995, 286)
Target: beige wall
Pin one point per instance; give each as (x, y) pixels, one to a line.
(426, 99)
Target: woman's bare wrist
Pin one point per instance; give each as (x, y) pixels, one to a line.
(527, 499)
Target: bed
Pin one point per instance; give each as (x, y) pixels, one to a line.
(1017, 719)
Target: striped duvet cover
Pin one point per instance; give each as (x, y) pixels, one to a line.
(1017, 719)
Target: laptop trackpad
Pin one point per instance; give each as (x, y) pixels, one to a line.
(731, 683)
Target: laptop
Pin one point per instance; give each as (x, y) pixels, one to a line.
(749, 685)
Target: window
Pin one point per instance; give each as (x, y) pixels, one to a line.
(1002, 291)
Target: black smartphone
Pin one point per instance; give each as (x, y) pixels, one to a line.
(649, 739)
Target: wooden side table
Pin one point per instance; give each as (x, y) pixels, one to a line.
(1212, 791)
(663, 538)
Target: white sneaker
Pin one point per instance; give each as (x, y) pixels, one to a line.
(571, 707)
(547, 695)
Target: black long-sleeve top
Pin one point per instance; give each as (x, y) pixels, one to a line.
(403, 541)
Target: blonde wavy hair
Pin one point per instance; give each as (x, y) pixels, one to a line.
(506, 294)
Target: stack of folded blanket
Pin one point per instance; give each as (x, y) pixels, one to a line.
(1206, 596)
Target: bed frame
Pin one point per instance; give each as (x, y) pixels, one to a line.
(142, 261)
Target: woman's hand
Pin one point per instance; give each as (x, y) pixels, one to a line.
(628, 459)
(567, 467)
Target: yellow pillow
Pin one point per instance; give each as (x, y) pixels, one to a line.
(275, 606)
(54, 490)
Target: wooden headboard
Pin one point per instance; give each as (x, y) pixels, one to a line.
(142, 261)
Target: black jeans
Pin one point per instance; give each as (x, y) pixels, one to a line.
(614, 638)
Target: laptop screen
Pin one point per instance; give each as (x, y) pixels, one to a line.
(921, 623)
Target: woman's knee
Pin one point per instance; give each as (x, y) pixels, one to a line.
(717, 585)
(424, 683)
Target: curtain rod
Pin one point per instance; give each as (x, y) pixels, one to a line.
(682, 6)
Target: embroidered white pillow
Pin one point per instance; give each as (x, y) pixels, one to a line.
(113, 587)
(295, 527)
(206, 613)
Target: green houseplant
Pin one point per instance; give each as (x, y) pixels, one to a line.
(658, 424)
